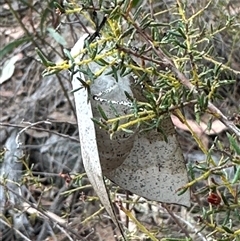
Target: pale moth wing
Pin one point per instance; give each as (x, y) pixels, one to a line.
(154, 169)
(141, 162)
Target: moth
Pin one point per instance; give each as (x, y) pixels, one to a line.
(147, 163)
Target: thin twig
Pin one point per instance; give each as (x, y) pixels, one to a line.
(67, 96)
(75, 139)
(190, 225)
(176, 220)
(17, 231)
(27, 127)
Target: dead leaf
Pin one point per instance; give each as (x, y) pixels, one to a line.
(37, 134)
(8, 68)
(87, 137)
(202, 128)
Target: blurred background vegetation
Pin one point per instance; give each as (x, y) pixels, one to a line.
(44, 192)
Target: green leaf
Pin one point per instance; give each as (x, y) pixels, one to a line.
(227, 229)
(68, 55)
(57, 5)
(191, 171)
(129, 96)
(137, 13)
(146, 19)
(75, 90)
(156, 24)
(227, 217)
(136, 2)
(93, 52)
(180, 44)
(125, 71)
(113, 72)
(181, 31)
(99, 123)
(88, 72)
(48, 73)
(182, 191)
(113, 109)
(234, 144)
(44, 59)
(101, 62)
(102, 113)
(236, 176)
(127, 32)
(57, 37)
(115, 126)
(12, 45)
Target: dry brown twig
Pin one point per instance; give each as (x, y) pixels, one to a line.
(179, 219)
(32, 126)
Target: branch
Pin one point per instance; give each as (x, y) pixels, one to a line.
(167, 62)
